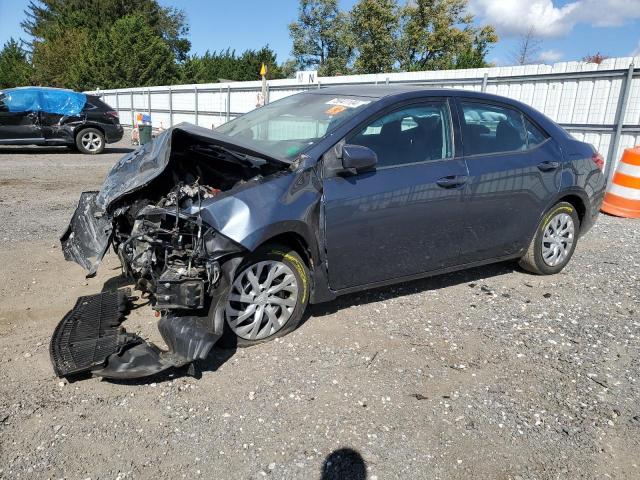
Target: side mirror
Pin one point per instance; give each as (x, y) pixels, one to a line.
(356, 158)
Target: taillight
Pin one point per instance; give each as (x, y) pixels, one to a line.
(598, 159)
(112, 113)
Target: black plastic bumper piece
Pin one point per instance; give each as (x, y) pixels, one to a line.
(90, 333)
(90, 338)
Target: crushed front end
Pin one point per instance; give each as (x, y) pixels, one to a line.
(180, 263)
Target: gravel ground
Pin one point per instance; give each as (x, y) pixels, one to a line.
(488, 373)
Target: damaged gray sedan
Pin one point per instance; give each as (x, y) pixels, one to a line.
(231, 233)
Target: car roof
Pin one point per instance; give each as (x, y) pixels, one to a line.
(380, 91)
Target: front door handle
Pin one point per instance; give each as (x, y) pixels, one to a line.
(452, 181)
(548, 166)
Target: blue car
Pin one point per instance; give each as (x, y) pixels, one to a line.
(233, 232)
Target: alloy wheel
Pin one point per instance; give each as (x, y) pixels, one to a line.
(557, 239)
(261, 300)
(91, 141)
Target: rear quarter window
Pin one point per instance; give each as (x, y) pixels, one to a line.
(94, 103)
(535, 136)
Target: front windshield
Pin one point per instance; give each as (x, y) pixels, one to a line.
(285, 128)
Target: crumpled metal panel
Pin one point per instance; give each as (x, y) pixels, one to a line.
(138, 168)
(86, 239)
(256, 210)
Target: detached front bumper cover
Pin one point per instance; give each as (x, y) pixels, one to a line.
(90, 339)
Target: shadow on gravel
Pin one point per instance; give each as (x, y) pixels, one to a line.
(115, 283)
(215, 360)
(118, 150)
(408, 288)
(219, 355)
(58, 150)
(344, 464)
(48, 150)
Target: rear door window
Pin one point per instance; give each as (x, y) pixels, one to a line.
(489, 129)
(416, 133)
(535, 136)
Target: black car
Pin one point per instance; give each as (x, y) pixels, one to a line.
(51, 116)
(233, 232)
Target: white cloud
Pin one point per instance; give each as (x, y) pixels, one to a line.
(516, 17)
(607, 13)
(550, 56)
(636, 52)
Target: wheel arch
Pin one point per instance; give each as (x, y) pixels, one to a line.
(578, 203)
(296, 242)
(78, 130)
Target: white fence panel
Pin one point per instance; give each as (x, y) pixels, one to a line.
(588, 100)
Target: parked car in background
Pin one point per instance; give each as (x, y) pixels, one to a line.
(51, 116)
(234, 231)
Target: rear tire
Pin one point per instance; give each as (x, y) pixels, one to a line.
(90, 141)
(268, 297)
(554, 242)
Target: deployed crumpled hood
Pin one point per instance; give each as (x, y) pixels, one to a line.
(87, 237)
(138, 168)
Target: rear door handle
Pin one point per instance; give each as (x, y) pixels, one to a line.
(548, 166)
(451, 181)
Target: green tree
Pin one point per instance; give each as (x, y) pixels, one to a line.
(322, 37)
(129, 54)
(74, 42)
(226, 65)
(53, 60)
(439, 34)
(15, 70)
(49, 19)
(288, 68)
(475, 54)
(374, 25)
(252, 60)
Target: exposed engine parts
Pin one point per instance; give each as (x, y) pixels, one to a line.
(152, 215)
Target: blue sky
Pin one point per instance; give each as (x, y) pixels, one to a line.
(569, 29)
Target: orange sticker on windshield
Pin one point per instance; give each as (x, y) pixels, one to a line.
(336, 109)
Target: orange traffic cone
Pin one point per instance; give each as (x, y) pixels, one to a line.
(623, 197)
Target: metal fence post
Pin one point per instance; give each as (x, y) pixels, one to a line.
(149, 101)
(133, 123)
(268, 93)
(117, 104)
(170, 107)
(485, 80)
(625, 88)
(228, 102)
(195, 103)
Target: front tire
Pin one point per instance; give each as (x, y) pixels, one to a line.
(268, 296)
(90, 141)
(554, 242)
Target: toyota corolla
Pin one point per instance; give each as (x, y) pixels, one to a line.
(233, 232)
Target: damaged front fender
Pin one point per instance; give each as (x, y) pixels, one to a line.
(86, 239)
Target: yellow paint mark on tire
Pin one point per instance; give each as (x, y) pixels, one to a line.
(547, 219)
(301, 271)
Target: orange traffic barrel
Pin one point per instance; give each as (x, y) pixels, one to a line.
(623, 197)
